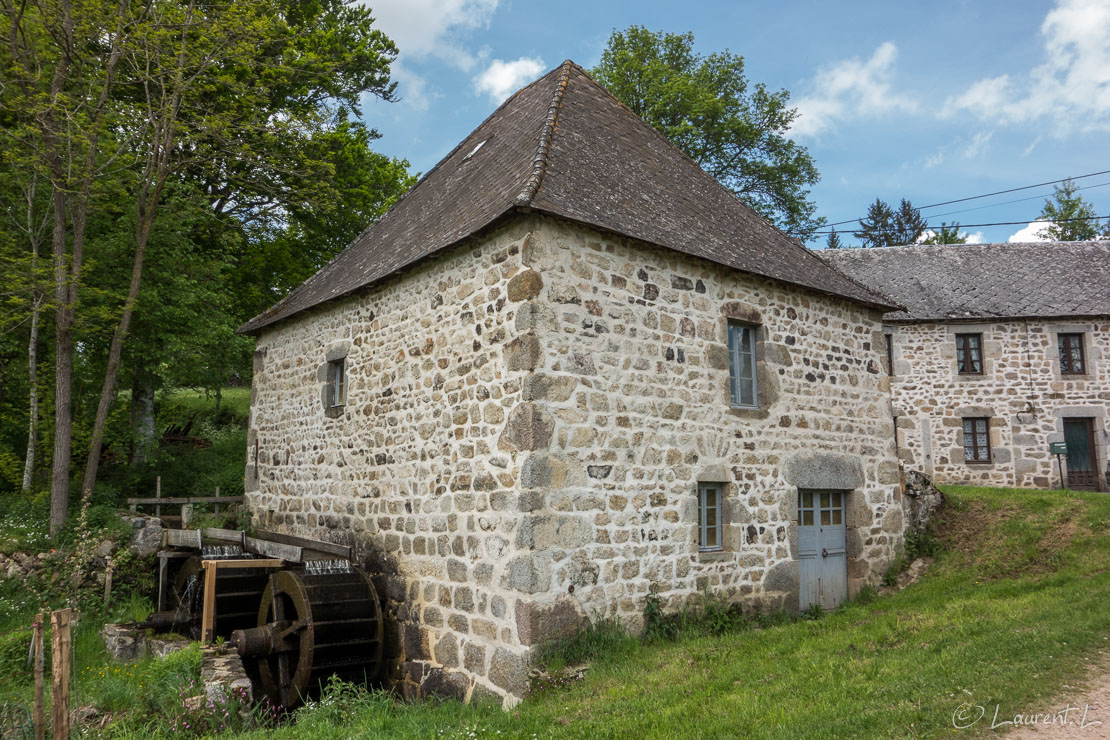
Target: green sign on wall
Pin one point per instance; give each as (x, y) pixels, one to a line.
(1058, 448)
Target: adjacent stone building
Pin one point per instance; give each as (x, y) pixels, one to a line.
(1002, 350)
(566, 367)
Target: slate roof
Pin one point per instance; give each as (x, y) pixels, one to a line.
(985, 281)
(564, 146)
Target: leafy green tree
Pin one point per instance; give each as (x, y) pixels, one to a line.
(240, 114)
(946, 235)
(706, 107)
(1072, 218)
(833, 240)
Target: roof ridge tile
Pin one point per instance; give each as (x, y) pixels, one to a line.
(539, 163)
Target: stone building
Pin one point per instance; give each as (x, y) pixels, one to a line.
(1002, 349)
(566, 366)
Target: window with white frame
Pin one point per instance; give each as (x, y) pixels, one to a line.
(741, 365)
(337, 382)
(709, 516)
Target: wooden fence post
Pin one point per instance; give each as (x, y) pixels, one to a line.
(158, 494)
(60, 640)
(108, 584)
(40, 651)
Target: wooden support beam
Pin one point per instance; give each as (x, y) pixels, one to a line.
(330, 548)
(60, 638)
(40, 681)
(186, 500)
(233, 536)
(271, 549)
(181, 538)
(208, 607)
(244, 563)
(208, 610)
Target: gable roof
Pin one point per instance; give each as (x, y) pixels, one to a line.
(564, 146)
(985, 281)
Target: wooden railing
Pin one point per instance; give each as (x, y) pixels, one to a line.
(158, 500)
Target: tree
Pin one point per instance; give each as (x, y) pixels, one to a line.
(833, 242)
(885, 227)
(877, 228)
(908, 224)
(1072, 219)
(946, 235)
(706, 107)
(229, 101)
(61, 66)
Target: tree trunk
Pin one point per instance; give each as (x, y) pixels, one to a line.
(35, 231)
(63, 373)
(32, 373)
(142, 417)
(115, 352)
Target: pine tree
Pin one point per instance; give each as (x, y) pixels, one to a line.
(908, 224)
(877, 227)
(833, 242)
(1071, 218)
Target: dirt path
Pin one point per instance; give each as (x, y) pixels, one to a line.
(1087, 710)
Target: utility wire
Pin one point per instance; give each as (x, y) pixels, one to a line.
(1008, 223)
(1017, 200)
(988, 195)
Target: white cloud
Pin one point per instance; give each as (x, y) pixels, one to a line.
(423, 28)
(851, 88)
(935, 159)
(1030, 233)
(412, 87)
(977, 145)
(1071, 86)
(501, 79)
(1033, 145)
(976, 238)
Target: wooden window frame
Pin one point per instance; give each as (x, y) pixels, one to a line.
(717, 491)
(975, 447)
(1078, 337)
(737, 359)
(337, 383)
(962, 346)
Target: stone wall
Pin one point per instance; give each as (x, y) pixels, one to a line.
(1021, 390)
(630, 389)
(409, 470)
(526, 422)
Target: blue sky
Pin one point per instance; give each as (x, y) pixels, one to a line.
(930, 101)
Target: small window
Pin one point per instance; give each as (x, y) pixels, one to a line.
(969, 354)
(889, 353)
(741, 365)
(337, 380)
(977, 440)
(1072, 359)
(709, 516)
(821, 508)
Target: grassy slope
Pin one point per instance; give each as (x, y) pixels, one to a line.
(1011, 611)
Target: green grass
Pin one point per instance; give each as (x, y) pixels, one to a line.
(1014, 607)
(1007, 615)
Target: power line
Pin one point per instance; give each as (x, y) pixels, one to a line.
(1015, 200)
(988, 195)
(1008, 223)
